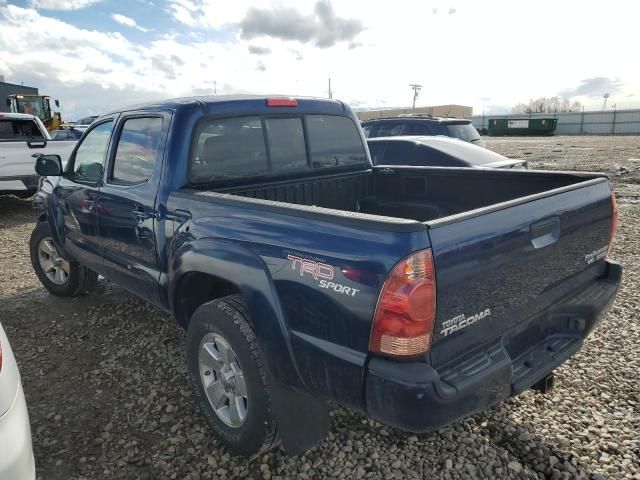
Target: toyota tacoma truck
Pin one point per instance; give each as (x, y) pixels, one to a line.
(304, 275)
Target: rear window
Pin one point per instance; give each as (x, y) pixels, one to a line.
(390, 130)
(465, 131)
(334, 142)
(256, 146)
(19, 130)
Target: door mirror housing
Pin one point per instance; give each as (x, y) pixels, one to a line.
(48, 165)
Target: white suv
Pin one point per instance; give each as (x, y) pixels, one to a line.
(16, 452)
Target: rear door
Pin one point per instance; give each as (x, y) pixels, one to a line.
(126, 217)
(501, 268)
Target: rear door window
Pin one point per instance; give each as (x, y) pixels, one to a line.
(390, 130)
(416, 128)
(376, 150)
(367, 130)
(136, 151)
(402, 153)
(19, 130)
(334, 141)
(464, 131)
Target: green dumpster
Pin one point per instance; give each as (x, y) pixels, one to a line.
(522, 126)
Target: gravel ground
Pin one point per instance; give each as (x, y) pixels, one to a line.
(107, 390)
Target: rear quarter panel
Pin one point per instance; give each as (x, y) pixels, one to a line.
(326, 315)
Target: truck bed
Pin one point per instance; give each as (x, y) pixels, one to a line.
(423, 194)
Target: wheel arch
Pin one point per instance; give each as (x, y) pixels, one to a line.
(208, 269)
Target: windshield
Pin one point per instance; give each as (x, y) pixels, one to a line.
(463, 131)
(34, 106)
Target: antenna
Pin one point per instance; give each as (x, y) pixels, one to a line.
(604, 105)
(330, 92)
(416, 91)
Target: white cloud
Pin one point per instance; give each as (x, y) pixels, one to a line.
(62, 4)
(127, 22)
(483, 55)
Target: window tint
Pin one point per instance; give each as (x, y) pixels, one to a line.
(367, 130)
(402, 153)
(136, 151)
(376, 150)
(334, 141)
(416, 128)
(229, 147)
(466, 132)
(19, 130)
(235, 147)
(286, 143)
(89, 157)
(390, 130)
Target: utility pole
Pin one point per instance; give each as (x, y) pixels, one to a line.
(416, 91)
(330, 92)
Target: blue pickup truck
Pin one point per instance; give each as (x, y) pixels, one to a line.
(303, 274)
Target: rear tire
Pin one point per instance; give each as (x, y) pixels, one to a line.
(228, 376)
(62, 277)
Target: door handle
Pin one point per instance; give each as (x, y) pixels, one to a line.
(545, 232)
(140, 213)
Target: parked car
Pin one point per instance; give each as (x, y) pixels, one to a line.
(421, 126)
(302, 273)
(436, 152)
(86, 121)
(21, 136)
(70, 133)
(16, 451)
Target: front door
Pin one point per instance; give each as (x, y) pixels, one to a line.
(126, 219)
(77, 194)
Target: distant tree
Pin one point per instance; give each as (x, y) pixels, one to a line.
(547, 105)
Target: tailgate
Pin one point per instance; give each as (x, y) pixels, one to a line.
(498, 269)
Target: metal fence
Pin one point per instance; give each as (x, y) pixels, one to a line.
(609, 122)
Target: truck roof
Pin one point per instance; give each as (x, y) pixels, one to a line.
(418, 118)
(242, 103)
(17, 116)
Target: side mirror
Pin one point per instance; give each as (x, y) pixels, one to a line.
(57, 103)
(48, 165)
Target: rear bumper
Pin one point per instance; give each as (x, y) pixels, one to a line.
(416, 397)
(16, 453)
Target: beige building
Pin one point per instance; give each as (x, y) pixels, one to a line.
(457, 111)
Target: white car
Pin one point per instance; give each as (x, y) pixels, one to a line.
(16, 452)
(21, 136)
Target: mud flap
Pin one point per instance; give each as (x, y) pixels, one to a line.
(303, 420)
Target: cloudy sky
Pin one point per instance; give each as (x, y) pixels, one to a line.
(95, 55)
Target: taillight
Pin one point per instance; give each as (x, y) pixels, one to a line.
(614, 221)
(406, 310)
(282, 102)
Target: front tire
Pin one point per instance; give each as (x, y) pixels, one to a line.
(62, 277)
(228, 376)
